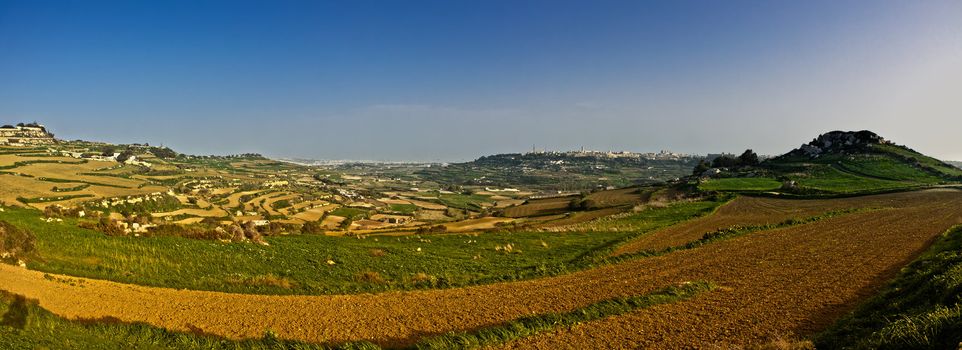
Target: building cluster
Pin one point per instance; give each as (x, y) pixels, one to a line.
(661, 155)
(25, 135)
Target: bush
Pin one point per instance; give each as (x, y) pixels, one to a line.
(312, 228)
(15, 243)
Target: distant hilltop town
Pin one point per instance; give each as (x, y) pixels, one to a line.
(25, 134)
(661, 155)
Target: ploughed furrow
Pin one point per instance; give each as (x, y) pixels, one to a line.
(781, 281)
(760, 211)
(779, 284)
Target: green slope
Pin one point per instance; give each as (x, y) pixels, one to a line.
(868, 165)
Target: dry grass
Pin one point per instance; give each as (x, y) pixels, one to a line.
(422, 277)
(268, 280)
(212, 212)
(377, 252)
(371, 277)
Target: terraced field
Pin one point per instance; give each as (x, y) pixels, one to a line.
(786, 282)
(538, 207)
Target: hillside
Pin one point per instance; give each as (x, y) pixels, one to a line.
(25, 134)
(840, 162)
(564, 170)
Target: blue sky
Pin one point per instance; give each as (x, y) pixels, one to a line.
(454, 80)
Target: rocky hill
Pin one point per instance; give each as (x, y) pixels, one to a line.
(841, 162)
(839, 142)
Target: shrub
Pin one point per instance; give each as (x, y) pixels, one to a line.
(15, 243)
(312, 227)
(371, 277)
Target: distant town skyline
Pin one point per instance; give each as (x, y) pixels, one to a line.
(452, 81)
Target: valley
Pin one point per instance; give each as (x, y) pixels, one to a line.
(405, 255)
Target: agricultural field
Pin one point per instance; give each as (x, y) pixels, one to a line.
(335, 256)
(780, 274)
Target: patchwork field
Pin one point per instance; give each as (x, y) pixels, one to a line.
(803, 277)
(183, 250)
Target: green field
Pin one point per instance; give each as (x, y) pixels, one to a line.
(741, 184)
(463, 201)
(403, 208)
(316, 264)
(920, 309)
(350, 213)
(841, 174)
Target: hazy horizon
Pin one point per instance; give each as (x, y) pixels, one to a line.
(452, 81)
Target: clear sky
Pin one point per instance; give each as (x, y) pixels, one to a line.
(453, 80)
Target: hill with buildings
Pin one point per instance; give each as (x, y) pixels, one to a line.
(25, 134)
(573, 170)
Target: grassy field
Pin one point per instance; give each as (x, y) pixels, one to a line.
(403, 208)
(471, 202)
(349, 213)
(920, 309)
(308, 264)
(741, 184)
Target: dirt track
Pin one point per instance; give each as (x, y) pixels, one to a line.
(780, 282)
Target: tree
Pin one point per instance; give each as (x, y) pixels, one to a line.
(312, 227)
(701, 168)
(724, 162)
(748, 158)
(125, 155)
(164, 152)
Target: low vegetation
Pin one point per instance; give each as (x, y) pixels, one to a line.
(318, 264)
(920, 309)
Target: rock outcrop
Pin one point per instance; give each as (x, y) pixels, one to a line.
(839, 142)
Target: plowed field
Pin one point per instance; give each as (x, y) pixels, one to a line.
(759, 211)
(783, 282)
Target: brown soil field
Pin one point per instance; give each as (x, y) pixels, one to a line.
(583, 216)
(189, 221)
(759, 211)
(504, 203)
(315, 213)
(431, 215)
(71, 171)
(255, 203)
(767, 294)
(393, 201)
(271, 210)
(778, 283)
(14, 186)
(305, 204)
(234, 199)
(475, 224)
(536, 207)
(331, 221)
(612, 198)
